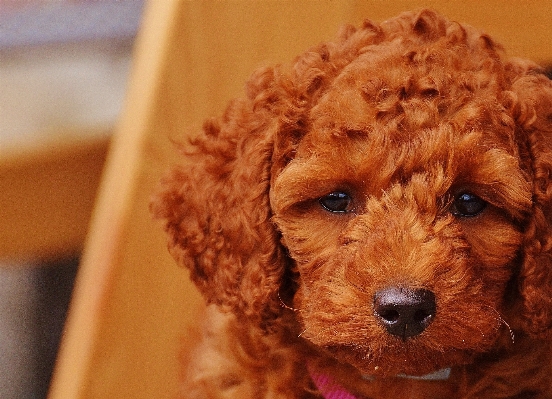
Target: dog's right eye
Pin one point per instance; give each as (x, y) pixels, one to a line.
(467, 205)
(337, 202)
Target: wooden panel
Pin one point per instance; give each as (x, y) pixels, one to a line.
(132, 304)
(46, 199)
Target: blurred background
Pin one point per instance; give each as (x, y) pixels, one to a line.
(63, 73)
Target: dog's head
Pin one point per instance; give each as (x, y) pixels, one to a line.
(393, 187)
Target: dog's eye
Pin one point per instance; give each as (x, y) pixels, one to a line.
(337, 201)
(467, 204)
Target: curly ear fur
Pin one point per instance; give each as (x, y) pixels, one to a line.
(217, 212)
(534, 120)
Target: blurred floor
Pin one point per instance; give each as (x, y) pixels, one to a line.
(33, 305)
(17, 331)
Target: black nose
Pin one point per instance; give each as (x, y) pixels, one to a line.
(405, 312)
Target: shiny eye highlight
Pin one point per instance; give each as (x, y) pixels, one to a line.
(336, 202)
(467, 205)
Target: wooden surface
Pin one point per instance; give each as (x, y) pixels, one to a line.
(132, 304)
(46, 199)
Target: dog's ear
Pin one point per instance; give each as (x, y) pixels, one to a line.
(217, 212)
(533, 115)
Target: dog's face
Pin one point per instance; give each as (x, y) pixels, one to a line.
(403, 210)
(393, 187)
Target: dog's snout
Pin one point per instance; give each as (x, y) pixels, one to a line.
(405, 312)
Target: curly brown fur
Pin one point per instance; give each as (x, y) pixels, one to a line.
(436, 151)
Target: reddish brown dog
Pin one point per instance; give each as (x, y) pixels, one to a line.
(374, 222)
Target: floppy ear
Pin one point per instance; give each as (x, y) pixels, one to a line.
(534, 118)
(217, 212)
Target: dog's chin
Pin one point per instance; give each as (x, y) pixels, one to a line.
(400, 363)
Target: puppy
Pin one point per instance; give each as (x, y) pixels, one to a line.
(373, 222)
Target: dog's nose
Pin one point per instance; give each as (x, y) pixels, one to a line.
(405, 312)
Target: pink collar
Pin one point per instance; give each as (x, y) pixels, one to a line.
(328, 387)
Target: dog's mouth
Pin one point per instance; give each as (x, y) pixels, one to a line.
(439, 375)
(430, 366)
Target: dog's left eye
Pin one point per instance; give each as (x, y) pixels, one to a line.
(467, 204)
(338, 202)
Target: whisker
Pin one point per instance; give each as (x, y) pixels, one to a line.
(285, 306)
(480, 332)
(321, 331)
(501, 320)
(512, 336)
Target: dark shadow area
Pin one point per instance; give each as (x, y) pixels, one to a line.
(54, 285)
(548, 71)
